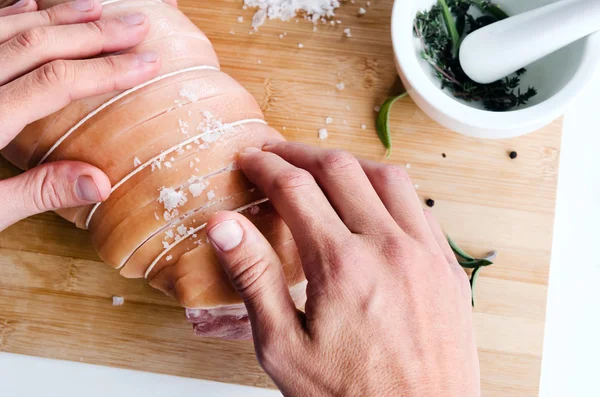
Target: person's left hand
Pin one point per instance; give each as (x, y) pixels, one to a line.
(49, 58)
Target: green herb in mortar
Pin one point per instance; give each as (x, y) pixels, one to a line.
(441, 31)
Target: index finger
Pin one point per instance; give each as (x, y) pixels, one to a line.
(314, 224)
(77, 11)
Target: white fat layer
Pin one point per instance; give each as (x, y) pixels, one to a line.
(192, 231)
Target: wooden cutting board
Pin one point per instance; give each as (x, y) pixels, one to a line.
(55, 295)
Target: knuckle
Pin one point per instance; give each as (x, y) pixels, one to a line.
(47, 194)
(31, 39)
(390, 174)
(48, 16)
(247, 276)
(292, 180)
(55, 73)
(335, 160)
(97, 28)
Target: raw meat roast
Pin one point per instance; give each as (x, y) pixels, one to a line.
(169, 148)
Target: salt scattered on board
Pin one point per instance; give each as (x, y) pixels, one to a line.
(285, 10)
(118, 300)
(323, 134)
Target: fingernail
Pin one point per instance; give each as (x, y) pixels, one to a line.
(250, 150)
(148, 56)
(272, 142)
(82, 5)
(20, 3)
(86, 189)
(226, 235)
(133, 19)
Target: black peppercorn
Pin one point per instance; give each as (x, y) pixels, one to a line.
(430, 202)
(444, 155)
(512, 155)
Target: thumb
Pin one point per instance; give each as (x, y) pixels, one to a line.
(60, 184)
(256, 273)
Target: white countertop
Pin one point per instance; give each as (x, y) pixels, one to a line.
(572, 344)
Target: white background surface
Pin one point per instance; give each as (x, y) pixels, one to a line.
(571, 350)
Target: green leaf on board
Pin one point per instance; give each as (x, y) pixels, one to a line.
(382, 123)
(472, 281)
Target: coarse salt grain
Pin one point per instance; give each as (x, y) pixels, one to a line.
(169, 257)
(323, 134)
(407, 165)
(171, 198)
(181, 230)
(347, 32)
(197, 188)
(285, 10)
(340, 86)
(328, 120)
(363, 126)
(362, 11)
(300, 45)
(189, 94)
(210, 195)
(136, 162)
(240, 19)
(165, 245)
(118, 300)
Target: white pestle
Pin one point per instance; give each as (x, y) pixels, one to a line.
(502, 48)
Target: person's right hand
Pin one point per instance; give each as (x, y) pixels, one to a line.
(388, 309)
(49, 58)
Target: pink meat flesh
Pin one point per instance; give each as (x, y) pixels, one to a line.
(224, 326)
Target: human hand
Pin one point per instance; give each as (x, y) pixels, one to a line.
(388, 309)
(49, 58)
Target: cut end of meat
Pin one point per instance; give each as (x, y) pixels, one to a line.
(228, 322)
(231, 322)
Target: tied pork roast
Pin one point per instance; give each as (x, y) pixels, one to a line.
(169, 148)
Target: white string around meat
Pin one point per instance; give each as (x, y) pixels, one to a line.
(193, 231)
(115, 99)
(166, 153)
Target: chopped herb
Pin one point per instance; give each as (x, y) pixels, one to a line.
(468, 262)
(512, 155)
(382, 124)
(441, 31)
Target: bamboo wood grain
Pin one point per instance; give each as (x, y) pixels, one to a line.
(55, 295)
